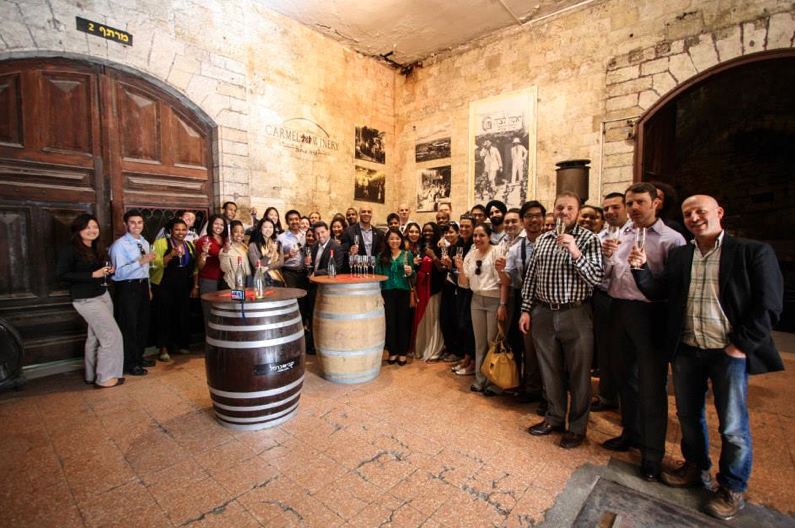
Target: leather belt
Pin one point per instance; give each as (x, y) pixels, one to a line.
(132, 281)
(560, 306)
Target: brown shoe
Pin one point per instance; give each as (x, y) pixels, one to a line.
(571, 440)
(544, 428)
(725, 504)
(686, 476)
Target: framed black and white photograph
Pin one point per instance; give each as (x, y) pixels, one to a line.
(369, 185)
(502, 146)
(370, 145)
(432, 143)
(433, 186)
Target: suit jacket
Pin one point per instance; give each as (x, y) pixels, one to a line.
(751, 294)
(322, 268)
(348, 237)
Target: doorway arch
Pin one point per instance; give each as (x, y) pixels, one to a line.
(728, 132)
(82, 136)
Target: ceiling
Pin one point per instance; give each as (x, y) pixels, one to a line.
(407, 31)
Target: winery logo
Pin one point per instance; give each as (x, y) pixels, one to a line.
(303, 136)
(266, 369)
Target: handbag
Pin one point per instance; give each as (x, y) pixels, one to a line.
(499, 365)
(413, 298)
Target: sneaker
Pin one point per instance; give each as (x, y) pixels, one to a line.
(164, 357)
(469, 371)
(685, 476)
(725, 504)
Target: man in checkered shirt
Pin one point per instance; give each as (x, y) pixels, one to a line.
(557, 287)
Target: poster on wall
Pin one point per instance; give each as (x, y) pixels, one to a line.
(370, 145)
(502, 146)
(432, 143)
(369, 185)
(433, 186)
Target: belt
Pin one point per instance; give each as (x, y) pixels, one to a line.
(132, 281)
(560, 306)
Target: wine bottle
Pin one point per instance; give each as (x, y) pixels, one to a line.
(259, 282)
(332, 271)
(240, 277)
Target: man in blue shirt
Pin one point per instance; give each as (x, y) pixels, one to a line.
(131, 256)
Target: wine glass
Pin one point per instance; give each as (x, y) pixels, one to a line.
(560, 229)
(640, 240)
(614, 232)
(406, 262)
(107, 263)
(372, 264)
(355, 265)
(308, 252)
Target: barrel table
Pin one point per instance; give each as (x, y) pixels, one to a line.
(255, 357)
(349, 327)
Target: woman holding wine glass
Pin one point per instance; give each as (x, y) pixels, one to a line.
(393, 262)
(272, 214)
(265, 249)
(428, 341)
(448, 311)
(234, 255)
(80, 263)
(208, 248)
(171, 277)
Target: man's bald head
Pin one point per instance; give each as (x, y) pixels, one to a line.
(403, 213)
(702, 215)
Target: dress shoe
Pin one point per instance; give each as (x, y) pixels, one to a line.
(544, 428)
(687, 475)
(542, 408)
(571, 440)
(490, 392)
(137, 371)
(401, 362)
(599, 406)
(619, 443)
(392, 361)
(475, 388)
(649, 471)
(147, 363)
(725, 504)
(528, 397)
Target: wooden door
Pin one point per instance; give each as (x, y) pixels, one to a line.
(78, 137)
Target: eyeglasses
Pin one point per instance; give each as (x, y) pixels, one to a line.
(478, 270)
(141, 249)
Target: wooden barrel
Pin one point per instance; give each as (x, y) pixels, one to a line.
(349, 330)
(255, 366)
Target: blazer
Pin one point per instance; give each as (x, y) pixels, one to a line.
(322, 268)
(751, 295)
(351, 231)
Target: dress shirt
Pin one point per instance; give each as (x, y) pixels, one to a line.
(496, 237)
(320, 249)
(367, 239)
(554, 277)
(659, 240)
(516, 262)
(706, 325)
(603, 235)
(125, 253)
(290, 240)
(488, 282)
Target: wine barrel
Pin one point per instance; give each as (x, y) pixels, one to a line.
(255, 364)
(349, 330)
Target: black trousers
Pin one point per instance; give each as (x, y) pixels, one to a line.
(171, 305)
(602, 330)
(448, 317)
(641, 369)
(131, 310)
(465, 339)
(398, 321)
(298, 279)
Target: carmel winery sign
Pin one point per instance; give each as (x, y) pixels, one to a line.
(304, 136)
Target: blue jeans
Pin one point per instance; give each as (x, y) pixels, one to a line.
(692, 368)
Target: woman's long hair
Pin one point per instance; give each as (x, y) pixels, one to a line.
(386, 251)
(88, 254)
(268, 245)
(407, 243)
(434, 242)
(210, 223)
(277, 226)
(339, 219)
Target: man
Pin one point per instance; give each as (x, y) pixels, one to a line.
(321, 251)
(724, 298)
(492, 162)
(443, 221)
(589, 219)
(549, 222)
(447, 207)
(635, 333)
(403, 213)
(518, 159)
(513, 227)
(607, 394)
(496, 211)
(189, 217)
(393, 221)
(314, 217)
(362, 238)
(479, 214)
(293, 241)
(229, 211)
(532, 215)
(131, 256)
(351, 215)
(559, 282)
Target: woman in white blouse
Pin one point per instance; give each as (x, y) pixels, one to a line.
(489, 298)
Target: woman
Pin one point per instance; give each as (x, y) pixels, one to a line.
(171, 277)
(395, 263)
(412, 232)
(265, 249)
(272, 214)
(80, 264)
(448, 316)
(489, 298)
(427, 333)
(464, 340)
(208, 248)
(235, 255)
(338, 225)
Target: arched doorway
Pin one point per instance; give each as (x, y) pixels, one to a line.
(77, 136)
(729, 132)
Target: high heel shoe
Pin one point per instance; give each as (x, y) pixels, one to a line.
(392, 361)
(401, 362)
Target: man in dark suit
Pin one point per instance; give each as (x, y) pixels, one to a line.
(724, 294)
(317, 264)
(362, 238)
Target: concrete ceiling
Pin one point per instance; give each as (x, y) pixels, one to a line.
(407, 31)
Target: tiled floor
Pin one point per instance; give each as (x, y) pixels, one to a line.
(412, 448)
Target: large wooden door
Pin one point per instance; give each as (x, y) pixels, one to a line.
(78, 137)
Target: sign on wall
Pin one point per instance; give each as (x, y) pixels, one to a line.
(502, 145)
(101, 30)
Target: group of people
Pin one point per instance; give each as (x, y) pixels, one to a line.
(615, 289)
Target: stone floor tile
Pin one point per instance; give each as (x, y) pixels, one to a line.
(193, 501)
(348, 495)
(224, 456)
(246, 475)
(103, 508)
(425, 491)
(176, 477)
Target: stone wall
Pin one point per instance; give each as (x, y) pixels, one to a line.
(597, 70)
(248, 69)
